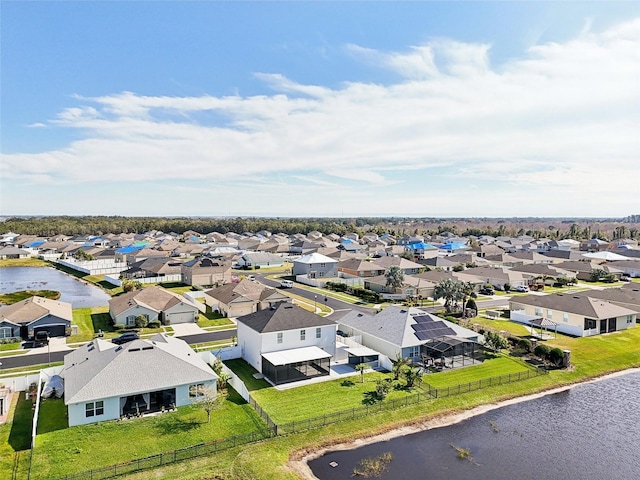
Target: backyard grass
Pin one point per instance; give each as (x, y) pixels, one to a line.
(176, 287)
(15, 439)
(62, 451)
(513, 328)
(29, 369)
(15, 297)
(494, 367)
(52, 415)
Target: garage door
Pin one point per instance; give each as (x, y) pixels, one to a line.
(180, 317)
(53, 330)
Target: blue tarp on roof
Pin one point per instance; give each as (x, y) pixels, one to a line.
(129, 249)
(141, 243)
(420, 246)
(35, 243)
(347, 241)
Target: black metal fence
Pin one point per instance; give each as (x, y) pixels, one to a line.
(428, 393)
(484, 383)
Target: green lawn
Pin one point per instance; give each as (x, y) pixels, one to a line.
(210, 319)
(23, 262)
(14, 297)
(30, 368)
(6, 347)
(90, 321)
(494, 367)
(61, 451)
(513, 328)
(176, 287)
(15, 438)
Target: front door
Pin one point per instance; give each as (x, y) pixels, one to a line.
(603, 326)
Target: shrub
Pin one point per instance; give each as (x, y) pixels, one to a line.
(524, 344)
(141, 321)
(154, 324)
(541, 351)
(556, 356)
(507, 287)
(118, 326)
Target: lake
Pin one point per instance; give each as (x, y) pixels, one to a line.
(74, 291)
(590, 432)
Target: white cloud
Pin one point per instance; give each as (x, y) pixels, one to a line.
(562, 119)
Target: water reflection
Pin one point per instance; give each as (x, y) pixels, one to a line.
(79, 294)
(591, 432)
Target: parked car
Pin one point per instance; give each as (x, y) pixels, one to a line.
(487, 291)
(251, 277)
(41, 338)
(286, 284)
(521, 288)
(126, 337)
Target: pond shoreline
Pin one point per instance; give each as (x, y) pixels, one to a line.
(298, 461)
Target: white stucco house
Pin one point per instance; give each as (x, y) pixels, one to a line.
(287, 343)
(104, 381)
(577, 315)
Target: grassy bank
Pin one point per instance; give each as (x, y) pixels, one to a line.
(23, 262)
(15, 297)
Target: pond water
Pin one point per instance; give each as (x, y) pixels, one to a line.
(74, 291)
(591, 432)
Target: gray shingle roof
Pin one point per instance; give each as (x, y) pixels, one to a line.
(102, 370)
(284, 316)
(576, 304)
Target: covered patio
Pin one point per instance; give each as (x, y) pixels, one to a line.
(144, 403)
(295, 364)
(450, 351)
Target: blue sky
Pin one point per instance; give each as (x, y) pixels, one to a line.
(320, 109)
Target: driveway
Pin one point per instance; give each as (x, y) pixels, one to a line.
(182, 329)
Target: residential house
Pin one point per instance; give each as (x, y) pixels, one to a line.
(354, 267)
(155, 304)
(13, 252)
(35, 314)
(576, 315)
(287, 343)
(630, 268)
(155, 267)
(407, 266)
(412, 287)
(627, 296)
(315, 265)
(259, 260)
(401, 331)
(243, 298)
(206, 271)
(106, 382)
(498, 277)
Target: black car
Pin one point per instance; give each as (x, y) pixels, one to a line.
(487, 291)
(126, 337)
(41, 339)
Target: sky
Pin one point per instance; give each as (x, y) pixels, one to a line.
(324, 109)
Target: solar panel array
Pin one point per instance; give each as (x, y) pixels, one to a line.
(426, 328)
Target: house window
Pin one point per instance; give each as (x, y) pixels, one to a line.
(538, 312)
(303, 334)
(629, 319)
(565, 317)
(549, 313)
(93, 409)
(321, 274)
(323, 265)
(280, 335)
(414, 351)
(589, 324)
(131, 320)
(196, 390)
(318, 332)
(6, 332)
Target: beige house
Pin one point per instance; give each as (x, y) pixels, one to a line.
(243, 298)
(576, 315)
(206, 271)
(154, 303)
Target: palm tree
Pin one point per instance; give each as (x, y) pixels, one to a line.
(466, 289)
(449, 290)
(395, 277)
(361, 367)
(413, 377)
(399, 365)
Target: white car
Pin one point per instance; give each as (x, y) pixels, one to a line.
(286, 284)
(522, 288)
